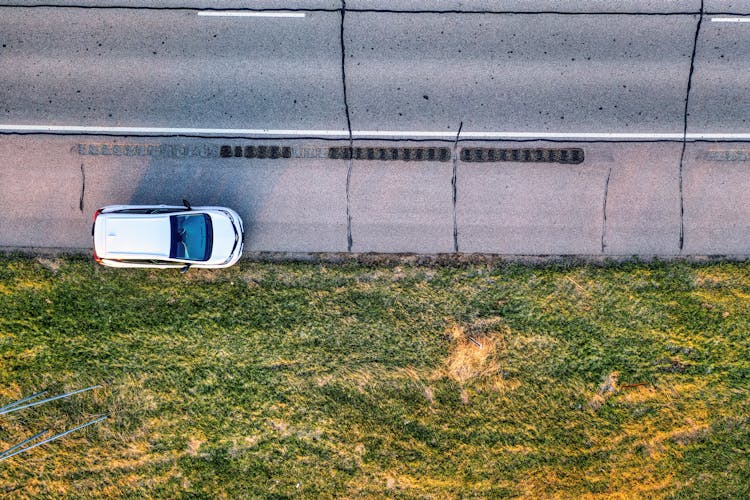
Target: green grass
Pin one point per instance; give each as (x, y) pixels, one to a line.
(322, 380)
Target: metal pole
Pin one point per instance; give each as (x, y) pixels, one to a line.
(16, 403)
(12, 448)
(56, 436)
(36, 403)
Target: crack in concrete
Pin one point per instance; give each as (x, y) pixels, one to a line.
(685, 127)
(604, 210)
(454, 187)
(83, 188)
(349, 128)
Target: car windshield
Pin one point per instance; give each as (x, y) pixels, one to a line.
(192, 237)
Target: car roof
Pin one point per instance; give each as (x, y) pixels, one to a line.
(134, 235)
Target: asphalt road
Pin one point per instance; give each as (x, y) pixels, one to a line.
(406, 75)
(609, 79)
(140, 68)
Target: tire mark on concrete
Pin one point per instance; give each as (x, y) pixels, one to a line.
(685, 127)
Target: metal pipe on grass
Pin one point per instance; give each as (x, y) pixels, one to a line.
(53, 438)
(19, 445)
(13, 407)
(22, 400)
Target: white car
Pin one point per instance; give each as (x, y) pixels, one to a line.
(165, 236)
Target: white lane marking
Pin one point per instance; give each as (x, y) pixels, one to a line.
(730, 19)
(228, 13)
(170, 130)
(519, 135)
(393, 134)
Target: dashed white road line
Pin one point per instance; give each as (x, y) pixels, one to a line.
(361, 134)
(730, 19)
(229, 13)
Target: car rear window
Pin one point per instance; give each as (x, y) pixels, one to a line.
(192, 237)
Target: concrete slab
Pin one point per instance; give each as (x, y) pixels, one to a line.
(299, 209)
(295, 199)
(295, 204)
(402, 206)
(530, 208)
(643, 199)
(716, 180)
(39, 198)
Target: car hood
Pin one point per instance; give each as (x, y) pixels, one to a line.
(224, 235)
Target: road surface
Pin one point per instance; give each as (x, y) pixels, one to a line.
(652, 94)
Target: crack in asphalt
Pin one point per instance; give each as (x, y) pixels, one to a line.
(454, 187)
(349, 128)
(685, 127)
(371, 10)
(604, 210)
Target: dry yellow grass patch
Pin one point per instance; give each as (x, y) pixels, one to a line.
(135, 390)
(639, 487)
(194, 444)
(503, 385)
(472, 354)
(689, 433)
(656, 444)
(242, 444)
(281, 427)
(404, 483)
(607, 389)
(53, 264)
(362, 379)
(709, 277)
(517, 449)
(638, 394)
(32, 353)
(721, 302)
(36, 286)
(132, 456)
(10, 393)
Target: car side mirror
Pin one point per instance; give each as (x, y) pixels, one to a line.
(187, 204)
(184, 268)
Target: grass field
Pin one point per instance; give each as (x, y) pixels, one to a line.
(322, 380)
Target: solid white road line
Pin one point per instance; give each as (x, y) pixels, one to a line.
(392, 134)
(170, 130)
(730, 19)
(228, 13)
